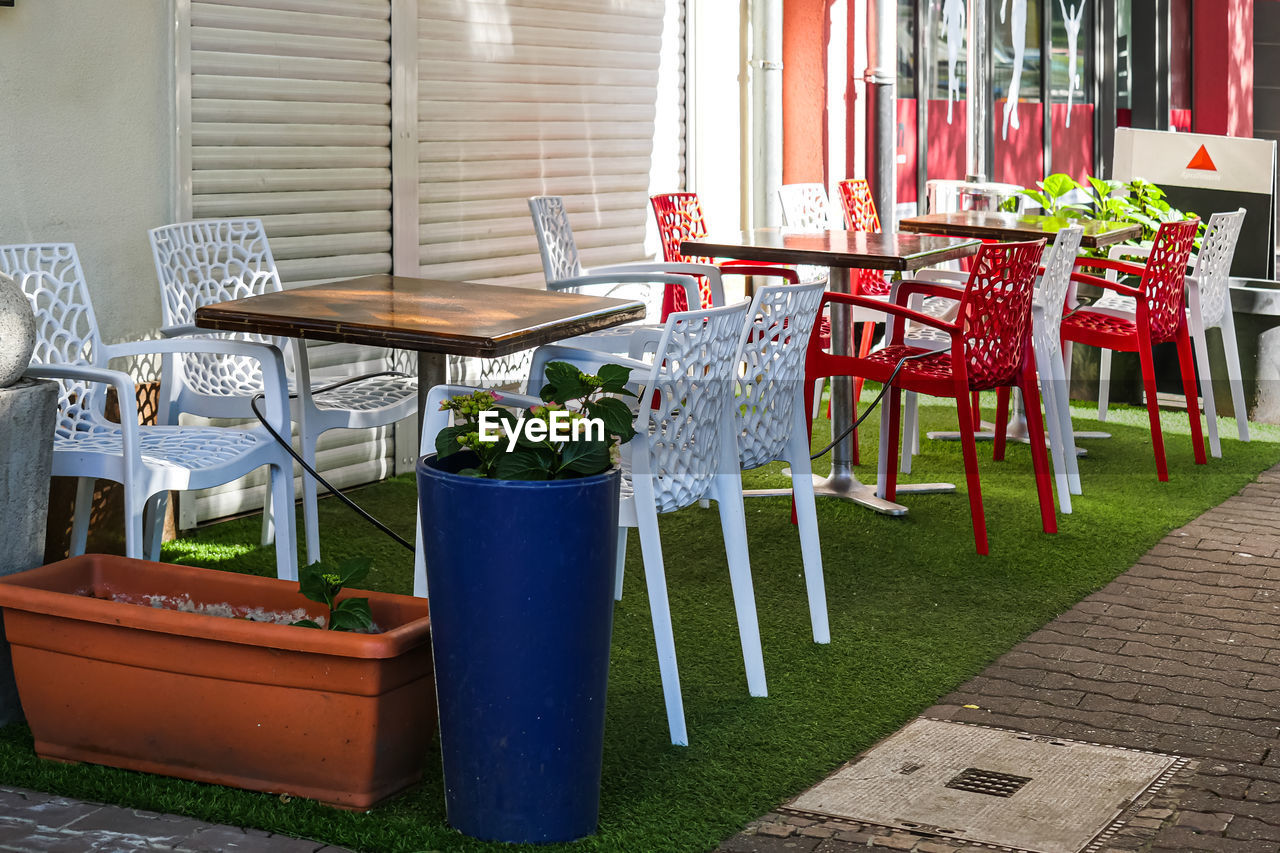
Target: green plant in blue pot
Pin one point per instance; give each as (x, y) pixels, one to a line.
(519, 513)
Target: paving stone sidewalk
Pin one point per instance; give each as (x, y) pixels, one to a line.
(1181, 654)
(32, 822)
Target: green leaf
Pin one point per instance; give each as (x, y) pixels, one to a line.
(614, 378)
(312, 585)
(447, 440)
(564, 382)
(354, 570)
(1058, 185)
(524, 464)
(306, 623)
(617, 417)
(351, 614)
(585, 457)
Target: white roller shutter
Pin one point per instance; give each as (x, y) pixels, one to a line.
(290, 120)
(529, 97)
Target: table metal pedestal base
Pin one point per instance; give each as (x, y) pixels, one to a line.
(849, 488)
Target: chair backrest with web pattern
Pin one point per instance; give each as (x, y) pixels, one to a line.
(1213, 264)
(204, 262)
(805, 206)
(66, 329)
(1164, 277)
(770, 360)
(859, 207)
(679, 218)
(556, 245)
(995, 311)
(683, 408)
(1059, 261)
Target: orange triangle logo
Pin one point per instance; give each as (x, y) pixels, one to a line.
(1202, 161)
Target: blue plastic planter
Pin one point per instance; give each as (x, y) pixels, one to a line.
(520, 576)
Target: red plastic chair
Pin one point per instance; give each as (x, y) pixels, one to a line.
(679, 218)
(1160, 318)
(990, 348)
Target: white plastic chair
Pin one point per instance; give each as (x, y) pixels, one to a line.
(685, 451)
(562, 268)
(1208, 306)
(214, 260)
(148, 461)
(1046, 323)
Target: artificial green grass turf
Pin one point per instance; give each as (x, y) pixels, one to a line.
(914, 613)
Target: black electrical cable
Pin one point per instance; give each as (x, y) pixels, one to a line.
(253, 404)
(871, 408)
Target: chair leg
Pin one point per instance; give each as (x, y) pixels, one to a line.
(1153, 407)
(1053, 423)
(286, 538)
(620, 563)
(157, 506)
(660, 609)
(81, 514)
(1201, 349)
(733, 525)
(134, 504)
(1104, 384)
(419, 561)
(1232, 353)
(910, 431)
(1000, 437)
(890, 424)
(1061, 394)
(268, 524)
(811, 552)
(969, 446)
(1039, 459)
(310, 510)
(1186, 361)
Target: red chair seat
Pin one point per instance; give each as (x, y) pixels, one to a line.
(1093, 324)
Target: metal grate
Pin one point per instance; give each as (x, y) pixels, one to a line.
(990, 782)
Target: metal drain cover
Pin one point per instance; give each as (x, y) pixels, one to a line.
(992, 786)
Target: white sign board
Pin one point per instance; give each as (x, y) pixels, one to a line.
(1208, 174)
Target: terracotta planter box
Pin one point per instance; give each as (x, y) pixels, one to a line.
(333, 716)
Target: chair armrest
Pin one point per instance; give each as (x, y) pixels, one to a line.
(889, 308)
(436, 419)
(753, 268)
(126, 397)
(942, 277)
(1124, 289)
(689, 283)
(715, 281)
(912, 286)
(586, 360)
(1110, 264)
(269, 358)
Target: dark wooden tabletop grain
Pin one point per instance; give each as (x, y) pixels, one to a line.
(451, 317)
(991, 225)
(858, 249)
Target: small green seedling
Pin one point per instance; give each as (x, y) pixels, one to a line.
(321, 583)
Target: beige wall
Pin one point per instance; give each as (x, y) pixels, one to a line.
(85, 142)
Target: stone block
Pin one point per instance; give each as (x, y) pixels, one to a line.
(27, 412)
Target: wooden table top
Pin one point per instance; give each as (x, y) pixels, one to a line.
(991, 225)
(856, 249)
(451, 317)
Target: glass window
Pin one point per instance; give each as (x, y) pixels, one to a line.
(1071, 56)
(906, 48)
(1015, 44)
(1124, 53)
(948, 34)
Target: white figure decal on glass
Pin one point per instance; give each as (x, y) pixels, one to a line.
(1072, 21)
(953, 27)
(1018, 32)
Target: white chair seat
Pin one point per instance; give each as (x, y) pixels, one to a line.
(374, 394)
(189, 448)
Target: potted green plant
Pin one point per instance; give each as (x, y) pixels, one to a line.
(207, 675)
(519, 521)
